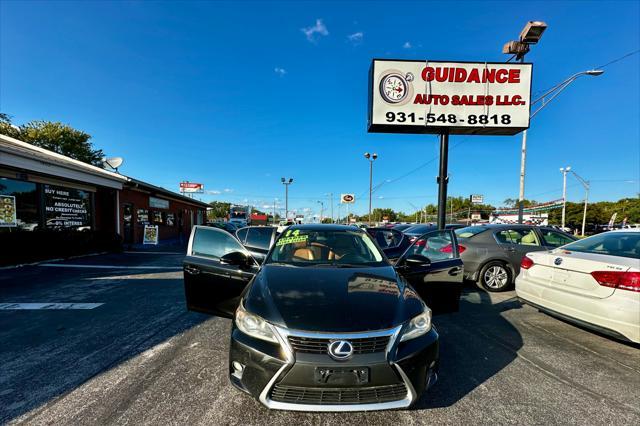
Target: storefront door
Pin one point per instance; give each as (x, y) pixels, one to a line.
(127, 228)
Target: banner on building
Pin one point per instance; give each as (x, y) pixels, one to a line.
(66, 207)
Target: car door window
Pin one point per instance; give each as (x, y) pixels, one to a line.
(436, 246)
(242, 234)
(555, 239)
(526, 237)
(213, 243)
(259, 237)
(387, 238)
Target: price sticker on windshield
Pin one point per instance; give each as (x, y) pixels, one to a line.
(292, 237)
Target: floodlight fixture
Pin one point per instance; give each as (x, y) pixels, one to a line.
(532, 32)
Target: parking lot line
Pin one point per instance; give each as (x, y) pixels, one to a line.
(48, 306)
(68, 265)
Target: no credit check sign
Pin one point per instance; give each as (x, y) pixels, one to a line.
(466, 98)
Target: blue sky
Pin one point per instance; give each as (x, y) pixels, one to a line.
(236, 95)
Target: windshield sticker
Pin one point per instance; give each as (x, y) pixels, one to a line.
(292, 237)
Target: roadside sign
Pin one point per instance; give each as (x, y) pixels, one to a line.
(150, 235)
(191, 187)
(348, 198)
(476, 216)
(465, 98)
(477, 199)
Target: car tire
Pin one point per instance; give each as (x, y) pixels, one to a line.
(495, 276)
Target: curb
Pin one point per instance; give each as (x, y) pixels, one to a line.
(52, 260)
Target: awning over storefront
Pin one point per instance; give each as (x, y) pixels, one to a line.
(24, 156)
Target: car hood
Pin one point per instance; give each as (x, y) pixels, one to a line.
(328, 299)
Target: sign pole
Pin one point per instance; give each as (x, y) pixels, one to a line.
(443, 179)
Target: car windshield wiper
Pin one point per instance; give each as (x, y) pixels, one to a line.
(281, 264)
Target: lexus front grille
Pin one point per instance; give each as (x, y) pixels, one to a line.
(315, 345)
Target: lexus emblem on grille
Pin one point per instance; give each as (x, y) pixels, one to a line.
(558, 260)
(340, 350)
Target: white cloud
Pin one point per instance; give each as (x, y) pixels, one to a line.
(355, 38)
(280, 71)
(213, 192)
(314, 33)
(228, 190)
(406, 45)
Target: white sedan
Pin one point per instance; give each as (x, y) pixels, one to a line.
(594, 282)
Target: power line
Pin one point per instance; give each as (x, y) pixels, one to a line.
(618, 59)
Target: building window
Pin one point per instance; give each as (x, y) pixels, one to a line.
(143, 216)
(66, 208)
(157, 217)
(18, 205)
(171, 219)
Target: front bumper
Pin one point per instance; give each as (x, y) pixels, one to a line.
(283, 378)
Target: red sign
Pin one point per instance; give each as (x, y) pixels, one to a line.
(191, 187)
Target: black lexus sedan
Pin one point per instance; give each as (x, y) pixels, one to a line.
(326, 322)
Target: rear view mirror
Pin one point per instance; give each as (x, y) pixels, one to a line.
(417, 260)
(235, 258)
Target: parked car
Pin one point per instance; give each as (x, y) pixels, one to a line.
(594, 282)
(392, 242)
(257, 240)
(402, 226)
(326, 323)
(227, 226)
(415, 231)
(492, 253)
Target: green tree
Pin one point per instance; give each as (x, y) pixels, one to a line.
(219, 210)
(54, 136)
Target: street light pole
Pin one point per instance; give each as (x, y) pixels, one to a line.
(553, 93)
(371, 159)
(286, 183)
(564, 171)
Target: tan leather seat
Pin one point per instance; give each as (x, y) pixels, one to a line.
(303, 253)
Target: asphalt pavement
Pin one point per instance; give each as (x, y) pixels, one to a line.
(111, 342)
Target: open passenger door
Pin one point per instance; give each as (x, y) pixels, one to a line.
(433, 267)
(217, 268)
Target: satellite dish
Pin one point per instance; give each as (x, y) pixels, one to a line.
(113, 162)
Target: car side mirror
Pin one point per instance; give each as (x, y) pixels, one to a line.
(235, 258)
(417, 260)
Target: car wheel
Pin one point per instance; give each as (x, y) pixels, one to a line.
(495, 276)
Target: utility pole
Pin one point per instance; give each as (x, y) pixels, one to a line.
(564, 171)
(321, 209)
(371, 159)
(274, 212)
(331, 199)
(585, 184)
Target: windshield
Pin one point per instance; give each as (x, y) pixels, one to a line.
(623, 244)
(469, 231)
(302, 247)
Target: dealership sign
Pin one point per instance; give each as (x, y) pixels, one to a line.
(471, 98)
(477, 199)
(191, 187)
(348, 198)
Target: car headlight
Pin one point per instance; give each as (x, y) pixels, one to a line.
(254, 326)
(418, 326)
